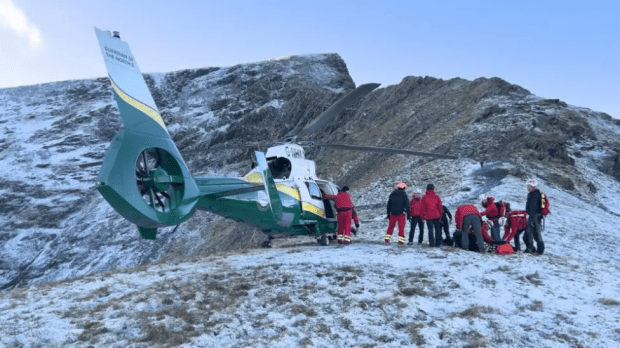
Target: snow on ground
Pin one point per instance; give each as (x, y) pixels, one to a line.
(362, 295)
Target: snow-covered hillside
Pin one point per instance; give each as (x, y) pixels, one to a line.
(362, 295)
(74, 273)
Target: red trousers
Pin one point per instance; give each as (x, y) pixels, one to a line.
(344, 225)
(401, 219)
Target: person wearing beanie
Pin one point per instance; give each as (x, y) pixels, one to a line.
(397, 212)
(432, 212)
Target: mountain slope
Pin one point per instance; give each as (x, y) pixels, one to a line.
(55, 226)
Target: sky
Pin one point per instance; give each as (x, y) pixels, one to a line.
(567, 50)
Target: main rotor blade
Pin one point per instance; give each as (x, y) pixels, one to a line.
(90, 164)
(229, 147)
(384, 150)
(337, 107)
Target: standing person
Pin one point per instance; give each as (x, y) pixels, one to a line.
(415, 216)
(345, 208)
(397, 212)
(466, 218)
(534, 218)
(445, 216)
(432, 210)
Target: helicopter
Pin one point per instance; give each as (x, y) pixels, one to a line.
(146, 180)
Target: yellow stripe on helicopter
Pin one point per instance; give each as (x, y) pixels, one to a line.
(147, 110)
(312, 209)
(293, 192)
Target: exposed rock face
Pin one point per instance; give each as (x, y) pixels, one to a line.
(55, 225)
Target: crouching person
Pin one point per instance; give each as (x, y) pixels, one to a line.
(516, 224)
(466, 218)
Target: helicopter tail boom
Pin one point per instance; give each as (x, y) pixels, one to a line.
(143, 176)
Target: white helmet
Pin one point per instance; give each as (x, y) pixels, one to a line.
(531, 182)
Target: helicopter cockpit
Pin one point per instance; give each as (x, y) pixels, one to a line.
(288, 161)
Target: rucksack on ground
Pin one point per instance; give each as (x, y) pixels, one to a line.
(504, 249)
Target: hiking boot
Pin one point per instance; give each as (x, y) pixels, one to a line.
(410, 243)
(401, 244)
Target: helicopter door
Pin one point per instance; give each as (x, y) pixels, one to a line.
(311, 199)
(329, 204)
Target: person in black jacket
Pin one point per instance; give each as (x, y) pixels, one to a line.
(397, 211)
(534, 218)
(446, 220)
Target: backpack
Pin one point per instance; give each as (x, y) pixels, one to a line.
(501, 209)
(544, 204)
(504, 249)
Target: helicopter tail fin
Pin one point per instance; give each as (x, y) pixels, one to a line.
(143, 176)
(282, 218)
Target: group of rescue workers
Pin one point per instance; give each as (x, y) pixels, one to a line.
(472, 226)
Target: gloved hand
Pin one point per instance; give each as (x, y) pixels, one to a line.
(388, 216)
(357, 226)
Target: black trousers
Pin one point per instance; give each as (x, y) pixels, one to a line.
(534, 233)
(495, 231)
(472, 221)
(416, 220)
(434, 232)
(446, 228)
(458, 241)
(517, 242)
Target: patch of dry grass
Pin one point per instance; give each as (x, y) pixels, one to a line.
(503, 269)
(159, 334)
(302, 309)
(283, 297)
(562, 337)
(475, 311)
(413, 329)
(91, 330)
(609, 302)
(412, 291)
(533, 278)
(351, 269)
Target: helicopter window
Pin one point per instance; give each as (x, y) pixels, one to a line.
(314, 190)
(280, 168)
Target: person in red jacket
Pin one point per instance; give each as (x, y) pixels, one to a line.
(345, 208)
(467, 220)
(493, 214)
(432, 209)
(415, 216)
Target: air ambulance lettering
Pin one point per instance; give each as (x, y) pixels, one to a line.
(293, 152)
